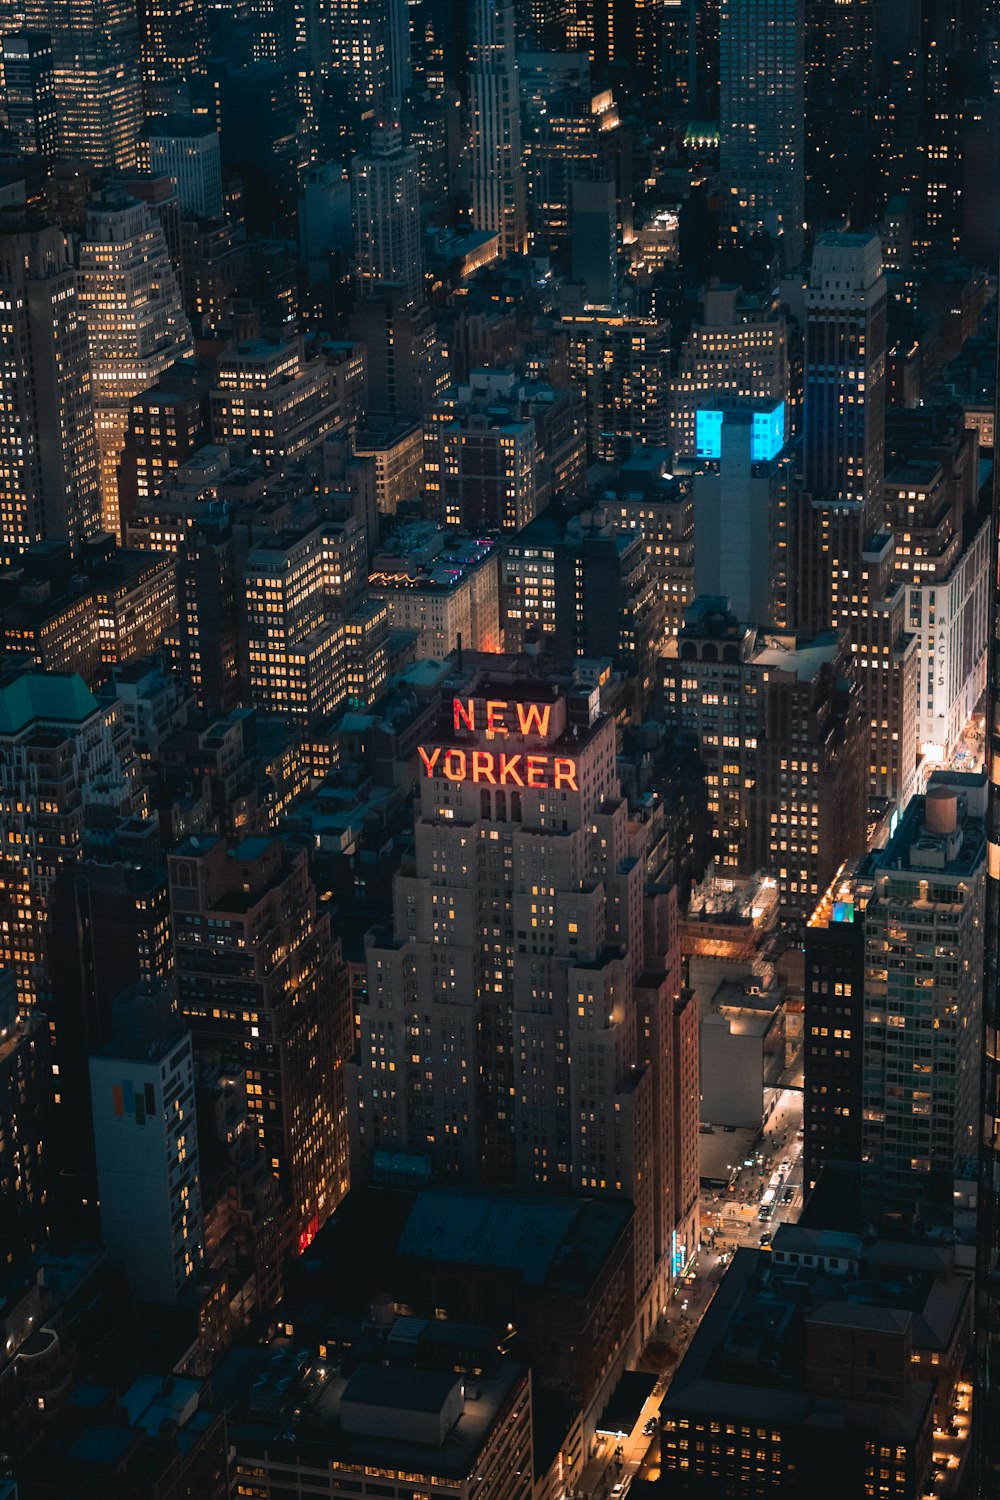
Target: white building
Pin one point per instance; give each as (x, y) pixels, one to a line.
(145, 1136)
(187, 149)
(950, 620)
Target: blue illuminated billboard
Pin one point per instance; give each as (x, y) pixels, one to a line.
(708, 434)
(767, 437)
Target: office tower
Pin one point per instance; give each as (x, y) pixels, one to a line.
(480, 460)
(130, 299)
(569, 132)
(325, 232)
(575, 585)
(25, 1119)
(742, 514)
(166, 425)
(780, 729)
(173, 44)
(49, 476)
(146, 1139)
(386, 202)
(66, 764)
(295, 649)
(593, 236)
(29, 93)
(498, 1033)
(96, 75)
(923, 931)
(403, 359)
(762, 69)
(622, 366)
(495, 110)
(273, 398)
(845, 564)
(834, 1025)
(844, 378)
(349, 48)
(281, 1014)
(642, 495)
(186, 149)
(737, 348)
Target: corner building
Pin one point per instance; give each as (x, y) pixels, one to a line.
(504, 1033)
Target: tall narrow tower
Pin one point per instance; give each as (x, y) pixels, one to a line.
(386, 199)
(497, 180)
(762, 120)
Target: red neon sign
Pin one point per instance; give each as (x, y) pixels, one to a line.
(555, 772)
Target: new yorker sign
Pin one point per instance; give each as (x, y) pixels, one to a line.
(518, 723)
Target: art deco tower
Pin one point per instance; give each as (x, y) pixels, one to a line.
(497, 179)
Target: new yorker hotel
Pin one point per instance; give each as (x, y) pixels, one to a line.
(510, 1027)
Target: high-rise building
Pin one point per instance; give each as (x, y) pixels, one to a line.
(499, 1037)
(743, 510)
(622, 367)
(762, 69)
(495, 108)
(29, 100)
(146, 1139)
(923, 932)
(261, 982)
(643, 495)
(780, 729)
(275, 399)
(481, 458)
(738, 348)
(130, 298)
(348, 45)
(49, 476)
(66, 764)
(186, 149)
(173, 41)
(96, 74)
(845, 565)
(575, 585)
(386, 201)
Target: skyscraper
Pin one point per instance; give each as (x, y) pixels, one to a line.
(923, 1008)
(261, 982)
(173, 36)
(95, 49)
(495, 108)
(136, 325)
(845, 564)
(29, 93)
(146, 1138)
(762, 120)
(49, 487)
(386, 202)
(500, 1033)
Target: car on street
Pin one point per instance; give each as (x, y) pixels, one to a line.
(765, 1239)
(788, 1195)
